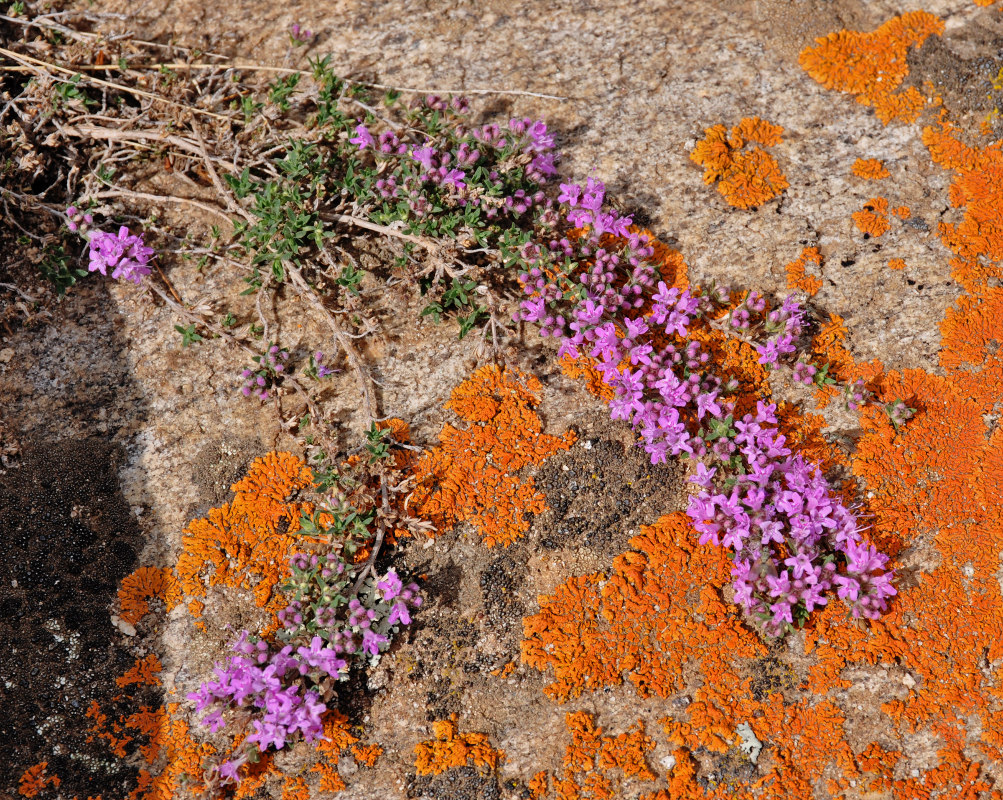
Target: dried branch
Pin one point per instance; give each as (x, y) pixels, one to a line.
(31, 60)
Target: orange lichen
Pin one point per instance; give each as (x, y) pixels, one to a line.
(330, 778)
(367, 754)
(451, 749)
(745, 178)
(797, 276)
(873, 219)
(594, 629)
(295, 788)
(145, 583)
(246, 543)
(338, 737)
(170, 744)
(472, 475)
(902, 212)
(155, 725)
(596, 766)
(977, 240)
(34, 780)
(254, 777)
(100, 729)
(873, 65)
(896, 263)
(144, 671)
(584, 369)
(871, 169)
(538, 785)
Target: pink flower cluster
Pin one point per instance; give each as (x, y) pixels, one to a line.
(253, 677)
(279, 682)
(125, 253)
(794, 541)
(785, 529)
(436, 165)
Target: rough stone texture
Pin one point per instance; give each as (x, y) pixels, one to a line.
(641, 80)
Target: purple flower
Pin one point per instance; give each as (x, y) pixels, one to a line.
(454, 177)
(371, 640)
(705, 403)
(399, 613)
(228, 769)
(570, 192)
(390, 586)
(768, 353)
(804, 373)
(424, 155)
(298, 34)
(595, 191)
(848, 586)
(363, 138)
(126, 254)
(781, 613)
(800, 564)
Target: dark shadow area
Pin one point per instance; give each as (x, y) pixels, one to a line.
(68, 411)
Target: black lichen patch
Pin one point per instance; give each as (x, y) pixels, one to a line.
(771, 675)
(500, 582)
(964, 67)
(69, 538)
(601, 491)
(731, 768)
(462, 783)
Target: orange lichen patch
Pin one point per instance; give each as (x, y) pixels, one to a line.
(972, 347)
(337, 737)
(145, 583)
(181, 760)
(803, 430)
(871, 169)
(330, 778)
(670, 262)
(538, 785)
(829, 347)
(977, 240)
(155, 725)
(873, 219)
(450, 749)
(34, 780)
(644, 621)
(295, 788)
(753, 178)
(896, 263)
(584, 369)
(367, 754)
(472, 475)
(748, 178)
(246, 543)
(144, 671)
(873, 65)
(797, 276)
(100, 729)
(754, 129)
(595, 766)
(902, 212)
(254, 777)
